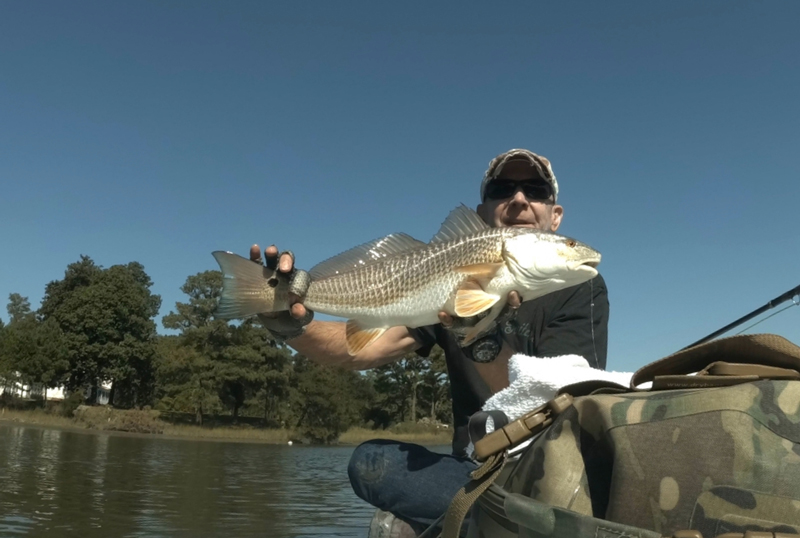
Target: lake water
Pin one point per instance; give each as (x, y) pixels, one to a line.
(62, 483)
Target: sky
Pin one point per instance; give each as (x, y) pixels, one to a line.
(159, 132)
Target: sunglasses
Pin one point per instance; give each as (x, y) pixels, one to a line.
(533, 189)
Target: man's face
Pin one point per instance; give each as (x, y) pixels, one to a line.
(517, 210)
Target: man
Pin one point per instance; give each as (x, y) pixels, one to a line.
(518, 189)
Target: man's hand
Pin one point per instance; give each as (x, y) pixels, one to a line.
(285, 325)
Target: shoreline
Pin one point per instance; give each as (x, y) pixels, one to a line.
(230, 434)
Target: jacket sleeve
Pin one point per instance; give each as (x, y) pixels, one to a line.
(579, 326)
(425, 337)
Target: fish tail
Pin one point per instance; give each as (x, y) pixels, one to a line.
(246, 289)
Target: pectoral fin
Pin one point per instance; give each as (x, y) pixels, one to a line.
(358, 338)
(471, 300)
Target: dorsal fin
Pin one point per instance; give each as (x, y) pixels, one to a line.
(460, 222)
(365, 254)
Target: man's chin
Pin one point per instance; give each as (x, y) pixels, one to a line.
(521, 225)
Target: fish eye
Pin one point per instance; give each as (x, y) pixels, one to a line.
(272, 282)
(571, 243)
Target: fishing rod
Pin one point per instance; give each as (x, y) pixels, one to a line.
(788, 296)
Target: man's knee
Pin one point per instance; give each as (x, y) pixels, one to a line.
(367, 468)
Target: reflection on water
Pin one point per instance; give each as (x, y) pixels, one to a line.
(59, 483)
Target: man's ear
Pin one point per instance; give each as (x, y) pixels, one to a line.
(481, 211)
(557, 213)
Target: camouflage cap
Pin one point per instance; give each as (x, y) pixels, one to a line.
(541, 164)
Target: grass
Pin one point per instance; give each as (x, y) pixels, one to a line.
(355, 436)
(228, 433)
(147, 423)
(38, 417)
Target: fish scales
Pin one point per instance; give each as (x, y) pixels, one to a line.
(422, 277)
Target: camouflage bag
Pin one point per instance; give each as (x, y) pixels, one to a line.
(705, 455)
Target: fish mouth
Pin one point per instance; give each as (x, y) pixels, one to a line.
(589, 265)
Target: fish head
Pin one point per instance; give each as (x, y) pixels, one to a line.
(543, 262)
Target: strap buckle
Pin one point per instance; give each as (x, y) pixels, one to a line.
(521, 429)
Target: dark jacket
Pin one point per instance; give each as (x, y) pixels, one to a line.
(570, 321)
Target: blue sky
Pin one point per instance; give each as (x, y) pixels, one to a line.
(161, 131)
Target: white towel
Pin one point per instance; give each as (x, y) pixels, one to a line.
(534, 381)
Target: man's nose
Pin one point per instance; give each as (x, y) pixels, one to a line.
(519, 197)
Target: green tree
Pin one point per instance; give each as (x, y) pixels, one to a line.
(410, 388)
(32, 351)
(19, 308)
(5, 368)
(35, 354)
(130, 357)
(185, 379)
(242, 359)
(77, 275)
(105, 317)
(272, 399)
(398, 384)
(57, 306)
(328, 400)
(230, 364)
(204, 290)
(435, 388)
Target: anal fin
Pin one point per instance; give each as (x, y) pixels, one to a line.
(359, 338)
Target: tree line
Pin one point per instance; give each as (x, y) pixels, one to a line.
(97, 325)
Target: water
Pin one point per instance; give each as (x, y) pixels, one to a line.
(61, 483)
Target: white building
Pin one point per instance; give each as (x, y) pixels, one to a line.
(37, 391)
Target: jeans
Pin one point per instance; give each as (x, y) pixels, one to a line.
(408, 480)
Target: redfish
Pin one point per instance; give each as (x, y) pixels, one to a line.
(468, 268)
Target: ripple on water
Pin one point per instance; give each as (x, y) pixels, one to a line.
(96, 485)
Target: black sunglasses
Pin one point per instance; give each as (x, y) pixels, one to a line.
(533, 189)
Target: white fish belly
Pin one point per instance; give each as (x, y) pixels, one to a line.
(412, 310)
